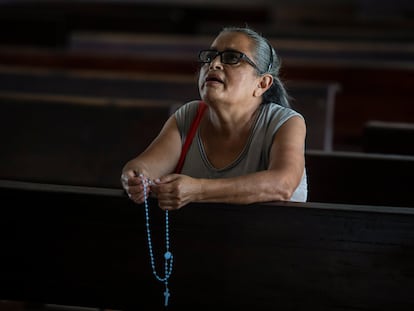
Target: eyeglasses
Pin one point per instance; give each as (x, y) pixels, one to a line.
(226, 57)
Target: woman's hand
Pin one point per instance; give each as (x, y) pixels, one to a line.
(174, 191)
(133, 184)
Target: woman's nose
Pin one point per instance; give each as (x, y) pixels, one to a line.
(216, 63)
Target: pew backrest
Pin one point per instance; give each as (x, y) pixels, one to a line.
(75, 140)
(388, 137)
(360, 178)
(84, 246)
(316, 101)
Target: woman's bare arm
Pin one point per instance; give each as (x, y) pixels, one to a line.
(161, 156)
(158, 159)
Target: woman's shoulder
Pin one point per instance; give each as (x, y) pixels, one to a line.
(185, 114)
(187, 108)
(273, 116)
(276, 110)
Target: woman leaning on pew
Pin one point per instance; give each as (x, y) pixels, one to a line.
(248, 144)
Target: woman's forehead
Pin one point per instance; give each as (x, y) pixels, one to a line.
(232, 40)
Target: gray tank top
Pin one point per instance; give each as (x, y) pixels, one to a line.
(255, 155)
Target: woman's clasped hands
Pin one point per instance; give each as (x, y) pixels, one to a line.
(172, 191)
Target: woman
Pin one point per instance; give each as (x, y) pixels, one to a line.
(249, 145)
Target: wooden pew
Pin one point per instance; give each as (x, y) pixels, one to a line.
(80, 140)
(357, 67)
(316, 100)
(88, 84)
(388, 137)
(177, 53)
(85, 141)
(51, 24)
(75, 140)
(82, 246)
(360, 178)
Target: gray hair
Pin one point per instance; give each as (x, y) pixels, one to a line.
(268, 62)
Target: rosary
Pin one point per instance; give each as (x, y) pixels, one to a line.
(168, 257)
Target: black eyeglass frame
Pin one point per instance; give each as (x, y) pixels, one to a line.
(241, 56)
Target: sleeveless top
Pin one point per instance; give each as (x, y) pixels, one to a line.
(255, 154)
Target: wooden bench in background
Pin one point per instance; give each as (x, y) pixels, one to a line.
(81, 246)
(316, 101)
(75, 140)
(360, 178)
(81, 144)
(51, 23)
(389, 137)
(86, 141)
(358, 67)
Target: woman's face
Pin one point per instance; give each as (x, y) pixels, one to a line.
(228, 82)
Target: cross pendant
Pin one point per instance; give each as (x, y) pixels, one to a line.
(166, 296)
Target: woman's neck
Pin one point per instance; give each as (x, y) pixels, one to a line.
(230, 121)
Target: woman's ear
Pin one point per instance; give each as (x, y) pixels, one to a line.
(265, 82)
